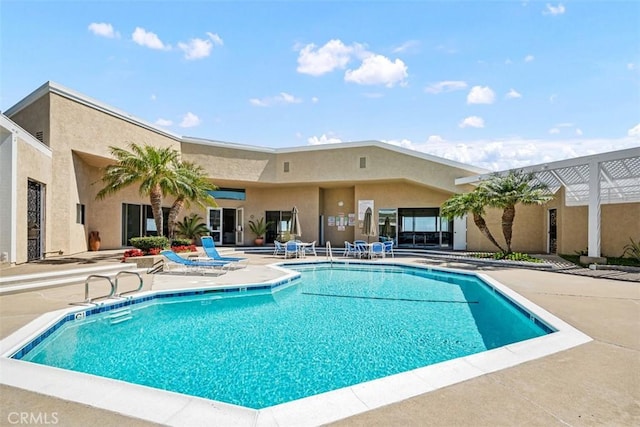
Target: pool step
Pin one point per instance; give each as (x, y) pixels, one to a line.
(119, 315)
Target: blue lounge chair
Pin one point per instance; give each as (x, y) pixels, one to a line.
(209, 247)
(202, 266)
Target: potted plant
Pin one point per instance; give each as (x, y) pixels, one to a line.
(259, 228)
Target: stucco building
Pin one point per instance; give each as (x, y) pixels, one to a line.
(55, 142)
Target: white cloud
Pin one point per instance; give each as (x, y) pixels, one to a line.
(631, 66)
(529, 58)
(634, 131)
(446, 86)
(513, 94)
(318, 61)
(578, 132)
(200, 48)
(148, 39)
(434, 139)
(473, 122)
(164, 122)
(189, 120)
(281, 98)
(553, 98)
(378, 69)
(315, 100)
(481, 95)
(103, 29)
(408, 46)
(516, 152)
(554, 131)
(554, 10)
(324, 139)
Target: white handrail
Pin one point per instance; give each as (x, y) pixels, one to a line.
(329, 252)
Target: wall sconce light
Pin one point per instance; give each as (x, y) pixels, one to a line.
(340, 203)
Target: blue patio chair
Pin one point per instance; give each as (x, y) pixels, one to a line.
(209, 247)
(201, 266)
(291, 249)
(362, 248)
(388, 248)
(376, 250)
(279, 248)
(349, 249)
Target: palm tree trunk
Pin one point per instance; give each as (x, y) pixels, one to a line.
(482, 225)
(156, 207)
(175, 210)
(508, 215)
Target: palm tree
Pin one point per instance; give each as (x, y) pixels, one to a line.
(152, 167)
(191, 185)
(460, 204)
(505, 191)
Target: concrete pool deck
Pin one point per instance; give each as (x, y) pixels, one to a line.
(597, 383)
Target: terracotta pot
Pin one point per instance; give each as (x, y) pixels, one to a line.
(94, 241)
(259, 241)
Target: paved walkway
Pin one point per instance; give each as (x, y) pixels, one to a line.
(597, 383)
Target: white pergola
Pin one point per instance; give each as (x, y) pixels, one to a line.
(594, 180)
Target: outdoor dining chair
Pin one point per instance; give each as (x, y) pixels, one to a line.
(376, 250)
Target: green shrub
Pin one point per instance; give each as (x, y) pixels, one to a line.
(145, 244)
(180, 242)
(632, 250)
(516, 256)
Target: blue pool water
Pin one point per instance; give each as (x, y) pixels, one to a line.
(333, 328)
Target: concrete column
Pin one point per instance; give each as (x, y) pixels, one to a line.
(594, 209)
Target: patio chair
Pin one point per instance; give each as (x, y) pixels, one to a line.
(279, 248)
(362, 248)
(209, 247)
(376, 250)
(311, 248)
(388, 248)
(200, 266)
(349, 249)
(291, 249)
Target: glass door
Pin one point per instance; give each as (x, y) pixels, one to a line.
(240, 226)
(214, 222)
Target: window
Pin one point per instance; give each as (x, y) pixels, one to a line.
(286, 166)
(137, 221)
(363, 162)
(79, 214)
(229, 193)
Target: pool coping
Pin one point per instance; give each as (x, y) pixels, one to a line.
(177, 409)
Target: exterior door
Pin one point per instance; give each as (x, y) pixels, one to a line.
(240, 226)
(552, 245)
(35, 223)
(214, 222)
(460, 234)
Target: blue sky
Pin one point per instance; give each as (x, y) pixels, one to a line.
(496, 84)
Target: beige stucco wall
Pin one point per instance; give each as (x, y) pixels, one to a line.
(529, 230)
(618, 223)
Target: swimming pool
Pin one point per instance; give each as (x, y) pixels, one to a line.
(287, 319)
